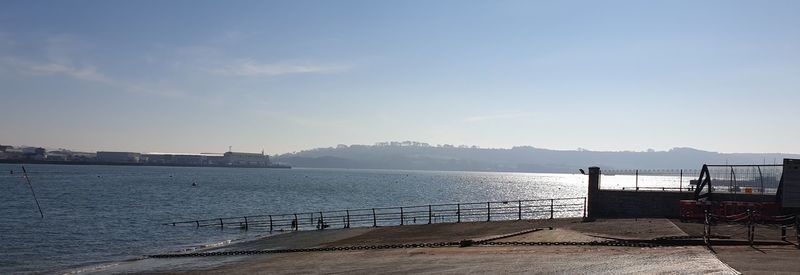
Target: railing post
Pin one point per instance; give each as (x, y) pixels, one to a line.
(584, 207)
(221, 225)
(198, 223)
(347, 225)
(430, 214)
(551, 209)
(797, 230)
(783, 233)
(593, 194)
(705, 226)
(374, 218)
(637, 179)
(296, 223)
(402, 218)
(246, 225)
(270, 223)
(458, 211)
(750, 227)
(519, 210)
(680, 188)
(321, 221)
(488, 211)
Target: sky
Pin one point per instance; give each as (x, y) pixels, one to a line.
(283, 76)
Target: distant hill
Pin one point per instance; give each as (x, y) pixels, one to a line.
(421, 156)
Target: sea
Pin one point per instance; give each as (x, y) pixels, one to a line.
(98, 215)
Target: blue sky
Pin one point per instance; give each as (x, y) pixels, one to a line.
(198, 76)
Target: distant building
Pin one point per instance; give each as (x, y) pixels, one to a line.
(119, 157)
(57, 156)
(246, 159)
(216, 160)
(3, 148)
(82, 156)
(34, 153)
(181, 159)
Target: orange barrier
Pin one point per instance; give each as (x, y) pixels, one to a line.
(693, 209)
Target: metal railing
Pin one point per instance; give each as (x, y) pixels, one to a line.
(675, 180)
(746, 179)
(727, 178)
(404, 215)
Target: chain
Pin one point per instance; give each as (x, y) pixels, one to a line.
(317, 249)
(400, 246)
(593, 243)
(511, 235)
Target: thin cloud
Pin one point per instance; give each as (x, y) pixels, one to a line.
(497, 116)
(85, 73)
(255, 69)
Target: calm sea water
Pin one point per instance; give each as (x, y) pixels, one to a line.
(100, 214)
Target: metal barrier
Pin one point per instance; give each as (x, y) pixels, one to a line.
(675, 180)
(736, 179)
(404, 215)
(733, 179)
(749, 219)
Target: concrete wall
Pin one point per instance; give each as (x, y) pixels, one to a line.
(646, 204)
(627, 204)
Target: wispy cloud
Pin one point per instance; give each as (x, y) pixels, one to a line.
(497, 116)
(250, 68)
(80, 73)
(23, 66)
(56, 58)
(85, 74)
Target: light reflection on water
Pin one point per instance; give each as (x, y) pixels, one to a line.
(96, 214)
(631, 181)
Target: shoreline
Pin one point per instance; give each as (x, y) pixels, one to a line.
(103, 266)
(104, 163)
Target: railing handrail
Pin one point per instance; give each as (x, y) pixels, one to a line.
(481, 206)
(743, 165)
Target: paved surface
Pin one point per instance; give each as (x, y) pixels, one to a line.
(493, 260)
(499, 260)
(759, 259)
(299, 239)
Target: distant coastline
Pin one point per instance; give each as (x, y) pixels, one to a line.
(30, 161)
(39, 155)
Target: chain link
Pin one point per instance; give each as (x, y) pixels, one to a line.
(400, 246)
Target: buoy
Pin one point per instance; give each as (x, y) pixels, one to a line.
(194, 184)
